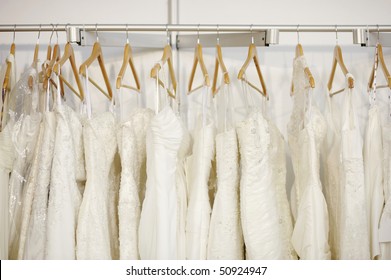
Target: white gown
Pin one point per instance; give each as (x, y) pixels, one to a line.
(95, 235)
(373, 151)
(199, 207)
(26, 135)
(225, 231)
(131, 137)
(64, 195)
(306, 131)
(344, 187)
(182, 195)
(158, 222)
(258, 195)
(385, 247)
(35, 244)
(17, 104)
(6, 163)
(28, 193)
(278, 164)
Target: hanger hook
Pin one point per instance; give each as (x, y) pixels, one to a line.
(252, 34)
(198, 34)
(218, 35)
(13, 40)
(336, 34)
(168, 36)
(127, 34)
(298, 34)
(378, 33)
(51, 35)
(96, 32)
(39, 33)
(57, 32)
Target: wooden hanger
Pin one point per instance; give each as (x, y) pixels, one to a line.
(69, 55)
(219, 64)
(198, 58)
(338, 59)
(6, 82)
(97, 54)
(128, 59)
(55, 58)
(253, 56)
(300, 52)
(383, 67)
(166, 58)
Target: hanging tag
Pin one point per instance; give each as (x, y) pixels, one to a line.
(385, 228)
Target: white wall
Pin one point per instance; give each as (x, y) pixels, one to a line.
(276, 61)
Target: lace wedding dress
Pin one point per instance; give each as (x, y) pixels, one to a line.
(158, 222)
(278, 165)
(25, 137)
(344, 188)
(225, 231)
(64, 195)
(258, 195)
(95, 236)
(131, 137)
(35, 228)
(306, 131)
(18, 104)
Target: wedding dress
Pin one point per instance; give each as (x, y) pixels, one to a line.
(373, 166)
(158, 222)
(225, 239)
(19, 102)
(35, 243)
(385, 245)
(278, 165)
(182, 195)
(225, 232)
(344, 188)
(24, 136)
(64, 195)
(94, 239)
(131, 137)
(306, 131)
(6, 162)
(199, 205)
(258, 196)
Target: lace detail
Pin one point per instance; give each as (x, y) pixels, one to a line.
(278, 165)
(28, 193)
(25, 137)
(131, 138)
(225, 232)
(199, 208)
(35, 244)
(64, 198)
(258, 197)
(158, 222)
(93, 232)
(345, 191)
(306, 131)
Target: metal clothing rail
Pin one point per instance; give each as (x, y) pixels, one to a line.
(191, 27)
(233, 35)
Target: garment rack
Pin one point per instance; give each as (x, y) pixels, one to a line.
(233, 35)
